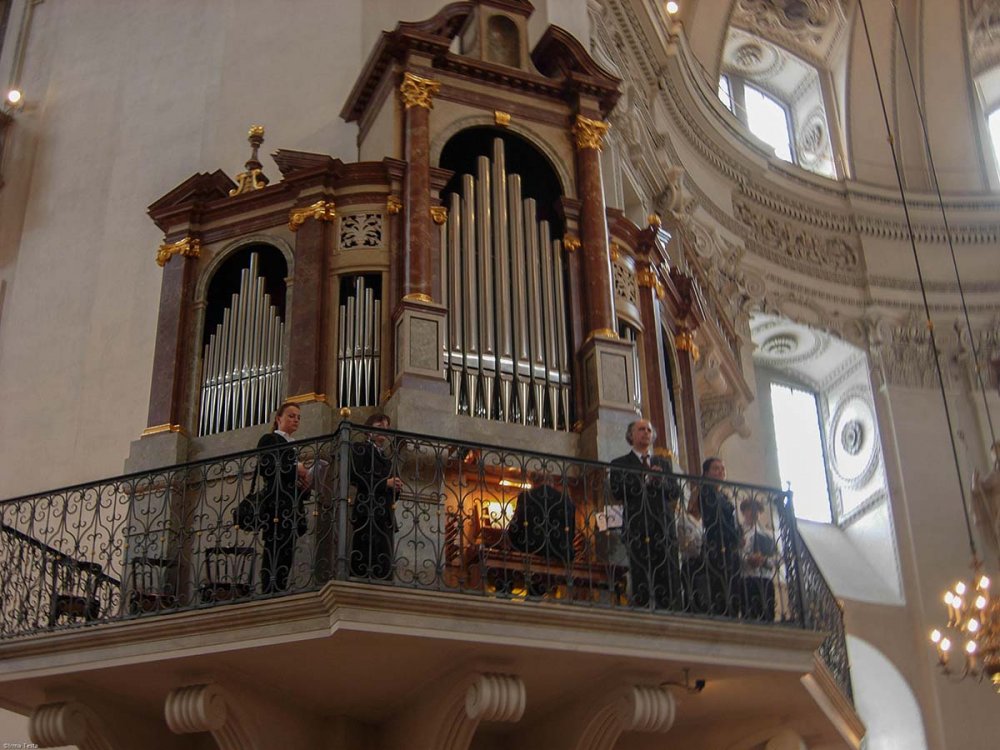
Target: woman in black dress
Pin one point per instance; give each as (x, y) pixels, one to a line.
(285, 487)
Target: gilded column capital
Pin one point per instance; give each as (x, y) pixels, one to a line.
(393, 204)
(684, 341)
(320, 211)
(589, 133)
(417, 91)
(650, 280)
(571, 243)
(439, 214)
(187, 247)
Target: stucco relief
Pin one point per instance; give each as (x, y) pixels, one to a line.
(806, 250)
(984, 33)
(902, 355)
(804, 21)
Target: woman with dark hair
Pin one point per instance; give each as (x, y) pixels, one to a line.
(373, 516)
(285, 488)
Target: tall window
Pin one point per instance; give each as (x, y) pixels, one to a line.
(779, 98)
(767, 119)
(799, 442)
(994, 124)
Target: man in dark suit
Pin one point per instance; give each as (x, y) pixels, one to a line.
(644, 484)
(373, 516)
(544, 524)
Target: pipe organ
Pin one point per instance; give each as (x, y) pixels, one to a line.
(502, 281)
(358, 344)
(243, 381)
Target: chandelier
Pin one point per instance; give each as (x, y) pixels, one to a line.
(973, 629)
(969, 644)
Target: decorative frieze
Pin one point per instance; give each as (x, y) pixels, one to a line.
(806, 250)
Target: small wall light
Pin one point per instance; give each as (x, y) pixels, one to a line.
(672, 7)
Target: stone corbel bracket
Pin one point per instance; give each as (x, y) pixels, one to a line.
(597, 725)
(448, 720)
(208, 708)
(70, 723)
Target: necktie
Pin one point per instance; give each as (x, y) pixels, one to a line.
(645, 460)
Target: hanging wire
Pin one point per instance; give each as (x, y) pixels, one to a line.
(920, 279)
(944, 217)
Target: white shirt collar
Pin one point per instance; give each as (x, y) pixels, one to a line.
(285, 435)
(640, 455)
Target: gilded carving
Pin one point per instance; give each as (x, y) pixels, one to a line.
(362, 230)
(589, 133)
(684, 341)
(649, 280)
(792, 242)
(186, 247)
(501, 118)
(624, 283)
(439, 214)
(571, 243)
(393, 205)
(417, 91)
(252, 178)
(320, 211)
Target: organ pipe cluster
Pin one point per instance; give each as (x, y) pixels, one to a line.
(243, 380)
(502, 281)
(358, 349)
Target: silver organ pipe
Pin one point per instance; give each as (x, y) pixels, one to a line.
(359, 327)
(507, 344)
(242, 369)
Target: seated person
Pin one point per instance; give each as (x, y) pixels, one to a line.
(543, 524)
(759, 564)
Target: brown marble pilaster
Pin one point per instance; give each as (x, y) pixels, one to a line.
(169, 363)
(417, 94)
(307, 321)
(595, 260)
(657, 404)
(687, 355)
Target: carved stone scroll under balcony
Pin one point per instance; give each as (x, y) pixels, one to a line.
(70, 723)
(208, 708)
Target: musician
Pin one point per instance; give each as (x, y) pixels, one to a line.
(373, 518)
(647, 489)
(286, 487)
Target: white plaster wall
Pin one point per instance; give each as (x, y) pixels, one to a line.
(124, 103)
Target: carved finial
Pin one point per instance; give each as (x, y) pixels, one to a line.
(252, 178)
(345, 412)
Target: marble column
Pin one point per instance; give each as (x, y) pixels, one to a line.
(687, 356)
(596, 261)
(417, 94)
(305, 372)
(167, 388)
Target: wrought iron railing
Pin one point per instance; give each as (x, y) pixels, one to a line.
(411, 511)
